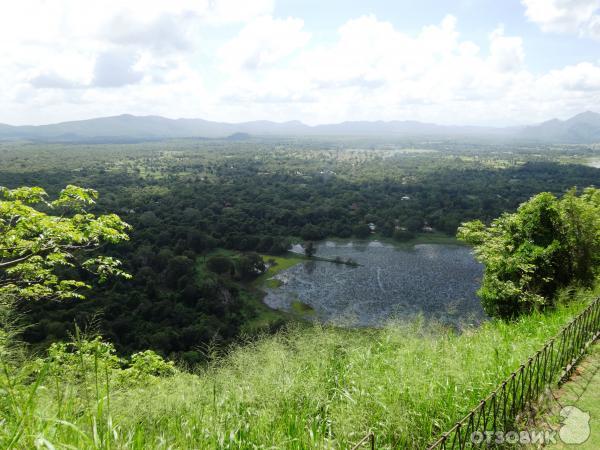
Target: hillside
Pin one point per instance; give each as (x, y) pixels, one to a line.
(312, 387)
(583, 128)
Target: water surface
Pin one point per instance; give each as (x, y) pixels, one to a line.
(438, 281)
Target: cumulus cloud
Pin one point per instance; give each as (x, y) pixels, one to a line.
(233, 60)
(375, 71)
(263, 42)
(116, 68)
(65, 44)
(506, 53)
(582, 78)
(52, 80)
(581, 17)
(163, 34)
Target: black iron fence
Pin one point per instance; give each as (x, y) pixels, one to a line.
(549, 366)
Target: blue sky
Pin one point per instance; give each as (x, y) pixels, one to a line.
(477, 62)
(475, 18)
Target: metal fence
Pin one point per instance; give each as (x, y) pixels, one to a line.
(549, 366)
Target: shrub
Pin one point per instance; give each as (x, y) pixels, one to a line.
(546, 245)
(148, 363)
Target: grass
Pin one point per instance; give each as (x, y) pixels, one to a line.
(282, 262)
(267, 316)
(421, 238)
(302, 308)
(305, 387)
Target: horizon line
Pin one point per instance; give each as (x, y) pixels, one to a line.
(296, 121)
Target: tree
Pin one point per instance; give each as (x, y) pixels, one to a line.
(309, 249)
(311, 232)
(249, 266)
(41, 252)
(220, 264)
(177, 268)
(547, 244)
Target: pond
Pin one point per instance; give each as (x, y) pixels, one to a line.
(390, 283)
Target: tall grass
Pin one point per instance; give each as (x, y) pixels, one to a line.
(315, 387)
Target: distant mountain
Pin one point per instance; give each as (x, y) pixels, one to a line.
(128, 127)
(583, 128)
(238, 137)
(402, 128)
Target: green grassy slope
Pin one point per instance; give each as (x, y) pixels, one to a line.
(306, 387)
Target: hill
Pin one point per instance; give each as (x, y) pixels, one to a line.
(312, 387)
(582, 128)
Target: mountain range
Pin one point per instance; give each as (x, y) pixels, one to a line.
(582, 128)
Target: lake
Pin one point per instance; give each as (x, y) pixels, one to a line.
(392, 282)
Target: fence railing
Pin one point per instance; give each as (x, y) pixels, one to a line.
(549, 366)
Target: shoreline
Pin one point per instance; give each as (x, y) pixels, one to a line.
(291, 258)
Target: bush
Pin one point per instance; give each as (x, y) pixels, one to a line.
(148, 363)
(546, 245)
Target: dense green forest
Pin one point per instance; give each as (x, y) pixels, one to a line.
(187, 200)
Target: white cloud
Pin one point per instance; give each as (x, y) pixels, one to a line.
(227, 11)
(506, 53)
(116, 68)
(163, 34)
(56, 55)
(374, 71)
(263, 42)
(232, 60)
(580, 78)
(581, 17)
(51, 80)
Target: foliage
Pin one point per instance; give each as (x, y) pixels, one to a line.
(148, 363)
(73, 359)
(547, 244)
(249, 266)
(312, 387)
(220, 264)
(36, 247)
(193, 198)
(403, 235)
(305, 387)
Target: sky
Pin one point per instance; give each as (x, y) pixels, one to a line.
(463, 62)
